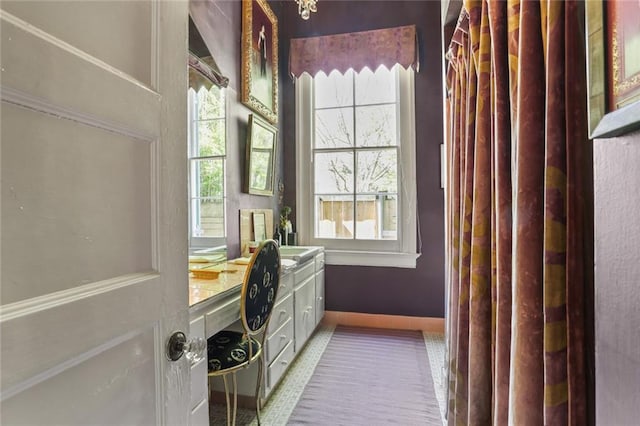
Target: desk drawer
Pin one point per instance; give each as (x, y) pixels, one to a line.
(281, 313)
(286, 285)
(198, 369)
(200, 414)
(305, 271)
(196, 327)
(304, 308)
(224, 314)
(278, 340)
(319, 261)
(199, 381)
(279, 366)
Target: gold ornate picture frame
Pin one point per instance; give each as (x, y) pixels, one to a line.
(613, 67)
(260, 59)
(623, 35)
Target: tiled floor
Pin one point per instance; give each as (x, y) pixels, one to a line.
(285, 397)
(435, 350)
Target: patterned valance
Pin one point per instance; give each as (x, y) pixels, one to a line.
(204, 72)
(340, 52)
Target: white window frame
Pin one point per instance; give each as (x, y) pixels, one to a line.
(396, 253)
(214, 243)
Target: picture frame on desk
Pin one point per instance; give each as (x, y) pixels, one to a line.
(613, 67)
(260, 59)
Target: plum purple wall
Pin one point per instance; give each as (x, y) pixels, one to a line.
(413, 292)
(394, 291)
(220, 25)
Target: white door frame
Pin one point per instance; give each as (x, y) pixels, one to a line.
(94, 225)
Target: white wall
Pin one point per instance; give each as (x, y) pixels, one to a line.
(617, 279)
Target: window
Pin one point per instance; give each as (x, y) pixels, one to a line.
(207, 154)
(356, 136)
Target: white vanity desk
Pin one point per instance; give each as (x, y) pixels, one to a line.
(215, 305)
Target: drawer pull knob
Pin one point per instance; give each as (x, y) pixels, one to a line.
(284, 362)
(283, 336)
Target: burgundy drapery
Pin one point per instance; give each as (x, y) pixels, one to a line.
(517, 229)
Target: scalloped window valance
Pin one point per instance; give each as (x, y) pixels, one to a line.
(203, 72)
(388, 47)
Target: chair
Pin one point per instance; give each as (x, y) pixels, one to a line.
(229, 351)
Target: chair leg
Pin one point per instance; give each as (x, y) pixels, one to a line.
(235, 398)
(258, 386)
(226, 393)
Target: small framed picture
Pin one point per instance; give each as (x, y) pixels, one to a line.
(259, 227)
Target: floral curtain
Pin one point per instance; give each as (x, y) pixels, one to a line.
(518, 234)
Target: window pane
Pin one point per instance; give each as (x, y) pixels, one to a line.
(389, 217)
(376, 217)
(210, 103)
(207, 217)
(377, 171)
(334, 173)
(334, 128)
(207, 177)
(373, 88)
(211, 138)
(334, 216)
(376, 125)
(333, 90)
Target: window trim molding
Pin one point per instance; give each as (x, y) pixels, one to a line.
(371, 258)
(198, 243)
(376, 254)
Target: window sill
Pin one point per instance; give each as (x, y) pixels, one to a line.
(371, 258)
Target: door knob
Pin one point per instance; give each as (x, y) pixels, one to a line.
(178, 345)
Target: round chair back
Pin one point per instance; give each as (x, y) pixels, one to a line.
(260, 288)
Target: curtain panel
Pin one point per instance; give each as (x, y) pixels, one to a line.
(518, 227)
(389, 46)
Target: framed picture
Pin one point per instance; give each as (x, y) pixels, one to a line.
(261, 156)
(259, 227)
(613, 67)
(260, 59)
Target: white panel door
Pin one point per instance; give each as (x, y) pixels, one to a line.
(93, 212)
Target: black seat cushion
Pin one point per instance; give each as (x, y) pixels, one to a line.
(228, 349)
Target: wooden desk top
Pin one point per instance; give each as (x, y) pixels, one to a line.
(201, 290)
